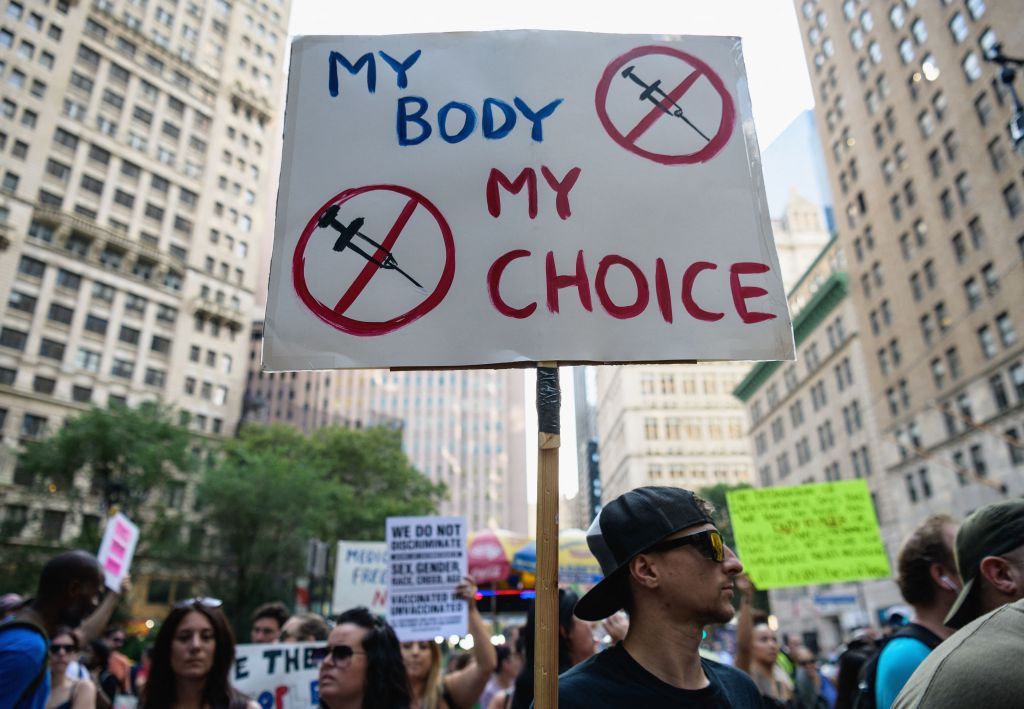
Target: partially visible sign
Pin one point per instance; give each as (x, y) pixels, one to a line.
(117, 549)
(809, 534)
(278, 676)
(426, 561)
(361, 577)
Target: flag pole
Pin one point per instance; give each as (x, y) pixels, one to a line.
(545, 667)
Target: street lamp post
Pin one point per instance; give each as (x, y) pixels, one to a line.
(1007, 76)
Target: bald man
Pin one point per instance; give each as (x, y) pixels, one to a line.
(68, 591)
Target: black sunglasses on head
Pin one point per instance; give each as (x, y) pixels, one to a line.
(709, 543)
(338, 653)
(66, 647)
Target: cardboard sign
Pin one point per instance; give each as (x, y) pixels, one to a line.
(117, 549)
(426, 560)
(283, 676)
(807, 535)
(361, 577)
(589, 197)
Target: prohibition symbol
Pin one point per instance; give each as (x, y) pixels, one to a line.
(374, 245)
(665, 105)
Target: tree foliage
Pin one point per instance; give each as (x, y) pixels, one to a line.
(273, 489)
(129, 451)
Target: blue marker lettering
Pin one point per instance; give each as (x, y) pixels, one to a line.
(490, 132)
(401, 68)
(404, 118)
(538, 131)
(467, 126)
(366, 60)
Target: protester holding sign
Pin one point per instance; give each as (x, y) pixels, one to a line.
(192, 658)
(457, 689)
(362, 666)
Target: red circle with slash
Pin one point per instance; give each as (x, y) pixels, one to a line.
(335, 317)
(629, 140)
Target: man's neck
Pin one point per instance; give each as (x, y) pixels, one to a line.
(667, 650)
(40, 615)
(932, 618)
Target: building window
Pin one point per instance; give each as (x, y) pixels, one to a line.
(1006, 332)
(971, 66)
(998, 389)
(13, 339)
(1012, 200)
(51, 349)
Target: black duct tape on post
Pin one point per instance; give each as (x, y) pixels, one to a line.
(549, 400)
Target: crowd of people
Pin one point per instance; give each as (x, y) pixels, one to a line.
(668, 577)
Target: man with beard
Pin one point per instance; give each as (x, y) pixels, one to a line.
(68, 591)
(664, 562)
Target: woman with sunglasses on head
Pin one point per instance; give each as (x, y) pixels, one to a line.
(362, 665)
(456, 690)
(67, 693)
(192, 657)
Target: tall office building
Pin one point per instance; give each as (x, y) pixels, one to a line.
(930, 201)
(136, 143)
(464, 428)
(812, 422)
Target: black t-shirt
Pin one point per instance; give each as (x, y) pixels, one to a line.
(614, 679)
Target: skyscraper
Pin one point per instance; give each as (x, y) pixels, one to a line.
(929, 197)
(137, 141)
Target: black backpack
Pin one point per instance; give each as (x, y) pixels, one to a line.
(867, 680)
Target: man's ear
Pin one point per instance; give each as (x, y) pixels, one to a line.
(999, 574)
(643, 571)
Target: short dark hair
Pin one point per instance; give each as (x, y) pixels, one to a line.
(275, 610)
(161, 686)
(925, 546)
(503, 652)
(387, 684)
(313, 626)
(65, 569)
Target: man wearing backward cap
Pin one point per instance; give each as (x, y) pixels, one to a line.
(664, 563)
(981, 664)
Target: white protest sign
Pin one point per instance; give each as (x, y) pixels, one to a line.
(278, 676)
(117, 549)
(519, 196)
(361, 576)
(426, 560)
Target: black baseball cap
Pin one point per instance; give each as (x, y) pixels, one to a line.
(626, 526)
(993, 530)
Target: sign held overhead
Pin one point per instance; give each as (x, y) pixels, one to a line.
(592, 198)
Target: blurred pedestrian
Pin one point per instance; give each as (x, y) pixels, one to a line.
(267, 621)
(105, 683)
(573, 646)
(67, 693)
(509, 664)
(192, 657)
(119, 664)
(458, 689)
(304, 628)
(928, 580)
(94, 625)
(68, 590)
(757, 650)
(813, 691)
(980, 664)
(362, 666)
(665, 563)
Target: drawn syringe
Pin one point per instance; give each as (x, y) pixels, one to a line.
(652, 92)
(346, 233)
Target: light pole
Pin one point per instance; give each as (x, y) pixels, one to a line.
(1008, 75)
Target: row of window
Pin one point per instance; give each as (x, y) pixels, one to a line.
(690, 428)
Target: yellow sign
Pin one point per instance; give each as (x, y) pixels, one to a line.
(810, 534)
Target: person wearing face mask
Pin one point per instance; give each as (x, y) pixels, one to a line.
(362, 665)
(192, 658)
(67, 693)
(928, 580)
(456, 690)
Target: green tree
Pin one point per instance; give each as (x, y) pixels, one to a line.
(272, 489)
(129, 451)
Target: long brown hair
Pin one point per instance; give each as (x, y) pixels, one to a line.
(161, 687)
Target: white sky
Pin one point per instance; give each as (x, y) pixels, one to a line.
(776, 70)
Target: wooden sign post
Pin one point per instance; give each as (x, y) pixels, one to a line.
(545, 662)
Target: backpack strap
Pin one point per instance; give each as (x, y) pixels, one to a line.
(13, 622)
(919, 633)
